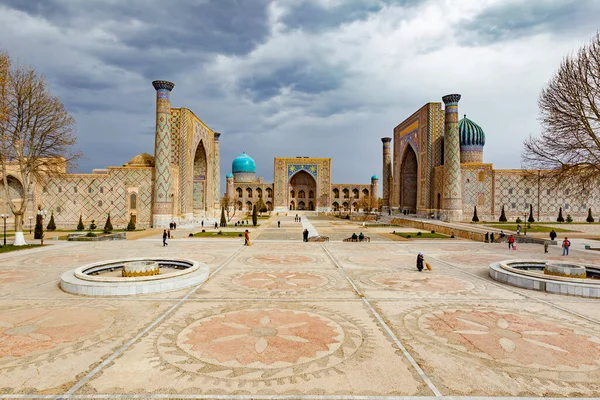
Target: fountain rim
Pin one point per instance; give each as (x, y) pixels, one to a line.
(80, 272)
(506, 265)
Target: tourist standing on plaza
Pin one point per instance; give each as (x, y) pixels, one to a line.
(216, 225)
(487, 237)
(492, 237)
(279, 224)
(420, 260)
(165, 238)
(552, 235)
(511, 242)
(305, 235)
(247, 238)
(565, 245)
(169, 234)
(518, 229)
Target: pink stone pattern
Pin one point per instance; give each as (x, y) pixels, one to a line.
(261, 337)
(412, 283)
(516, 338)
(24, 332)
(280, 280)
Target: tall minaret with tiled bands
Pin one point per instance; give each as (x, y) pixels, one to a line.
(452, 193)
(387, 171)
(162, 204)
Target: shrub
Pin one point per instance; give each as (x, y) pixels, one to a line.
(589, 218)
(51, 225)
(475, 217)
(191, 235)
(518, 220)
(502, 216)
(418, 233)
(408, 236)
(203, 230)
(90, 234)
(569, 219)
(131, 224)
(92, 225)
(432, 231)
(560, 216)
(80, 225)
(108, 225)
(220, 232)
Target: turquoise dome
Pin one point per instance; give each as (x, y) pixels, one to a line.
(243, 163)
(470, 133)
(374, 178)
(229, 175)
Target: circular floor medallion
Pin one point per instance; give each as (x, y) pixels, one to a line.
(280, 281)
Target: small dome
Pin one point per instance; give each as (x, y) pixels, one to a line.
(470, 133)
(374, 178)
(229, 175)
(141, 160)
(243, 163)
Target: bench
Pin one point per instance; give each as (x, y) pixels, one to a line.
(365, 239)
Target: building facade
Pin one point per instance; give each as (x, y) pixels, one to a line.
(179, 183)
(437, 169)
(300, 183)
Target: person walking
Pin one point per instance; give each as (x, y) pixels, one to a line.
(169, 234)
(518, 229)
(492, 237)
(216, 225)
(305, 235)
(279, 224)
(552, 235)
(247, 238)
(202, 223)
(420, 260)
(511, 242)
(487, 237)
(165, 238)
(565, 246)
(174, 225)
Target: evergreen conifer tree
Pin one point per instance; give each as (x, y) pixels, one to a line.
(502, 215)
(589, 218)
(51, 224)
(131, 224)
(223, 220)
(531, 219)
(108, 225)
(560, 216)
(254, 215)
(80, 225)
(475, 217)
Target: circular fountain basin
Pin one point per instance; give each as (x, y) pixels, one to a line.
(140, 268)
(565, 270)
(154, 275)
(531, 274)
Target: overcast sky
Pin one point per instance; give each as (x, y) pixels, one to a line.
(319, 78)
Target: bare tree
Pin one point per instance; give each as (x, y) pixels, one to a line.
(368, 204)
(36, 135)
(228, 203)
(569, 146)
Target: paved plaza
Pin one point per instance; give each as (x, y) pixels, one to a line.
(284, 319)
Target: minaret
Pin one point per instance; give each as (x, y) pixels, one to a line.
(375, 186)
(452, 193)
(387, 170)
(162, 201)
(217, 172)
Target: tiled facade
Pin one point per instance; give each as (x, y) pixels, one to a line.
(299, 184)
(423, 134)
(180, 183)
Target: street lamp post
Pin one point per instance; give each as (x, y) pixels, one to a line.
(525, 216)
(30, 218)
(4, 217)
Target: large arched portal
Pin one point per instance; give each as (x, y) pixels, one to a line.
(303, 182)
(200, 171)
(15, 193)
(408, 181)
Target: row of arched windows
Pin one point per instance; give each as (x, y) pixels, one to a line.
(346, 193)
(302, 194)
(345, 206)
(250, 192)
(240, 206)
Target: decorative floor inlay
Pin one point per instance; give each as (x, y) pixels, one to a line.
(280, 281)
(511, 337)
(279, 259)
(259, 344)
(417, 282)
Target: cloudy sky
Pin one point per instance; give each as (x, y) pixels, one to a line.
(320, 78)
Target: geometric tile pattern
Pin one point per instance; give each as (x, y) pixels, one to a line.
(162, 151)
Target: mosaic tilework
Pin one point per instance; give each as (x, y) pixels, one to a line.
(387, 170)
(200, 171)
(452, 195)
(477, 182)
(322, 176)
(162, 154)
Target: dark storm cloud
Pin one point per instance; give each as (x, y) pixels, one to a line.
(512, 21)
(312, 17)
(303, 77)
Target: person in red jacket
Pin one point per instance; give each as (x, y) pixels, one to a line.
(511, 242)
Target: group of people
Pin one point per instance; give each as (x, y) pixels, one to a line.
(360, 237)
(297, 218)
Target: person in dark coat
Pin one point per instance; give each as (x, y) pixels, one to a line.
(487, 237)
(420, 260)
(492, 237)
(165, 238)
(305, 235)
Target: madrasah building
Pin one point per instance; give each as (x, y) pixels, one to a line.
(436, 170)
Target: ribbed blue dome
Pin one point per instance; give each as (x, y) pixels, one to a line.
(470, 133)
(229, 175)
(243, 163)
(374, 178)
